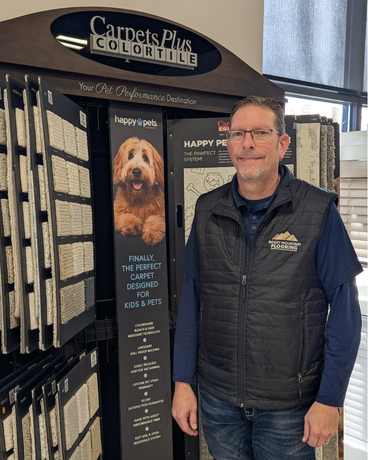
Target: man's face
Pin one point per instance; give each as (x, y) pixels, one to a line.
(254, 161)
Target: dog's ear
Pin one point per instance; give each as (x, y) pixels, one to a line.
(158, 166)
(118, 163)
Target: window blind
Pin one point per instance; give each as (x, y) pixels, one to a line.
(353, 204)
(355, 407)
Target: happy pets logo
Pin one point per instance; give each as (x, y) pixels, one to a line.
(147, 124)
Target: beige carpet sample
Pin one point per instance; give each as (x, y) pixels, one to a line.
(59, 174)
(330, 157)
(23, 170)
(323, 156)
(8, 433)
(2, 127)
(80, 299)
(56, 134)
(3, 172)
(73, 178)
(82, 144)
(84, 182)
(78, 258)
(87, 219)
(38, 131)
(20, 122)
(43, 434)
(42, 187)
(66, 261)
(70, 142)
(67, 303)
(85, 447)
(96, 445)
(63, 218)
(76, 455)
(71, 425)
(54, 425)
(6, 216)
(307, 152)
(76, 218)
(93, 394)
(27, 439)
(83, 410)
(88, 254)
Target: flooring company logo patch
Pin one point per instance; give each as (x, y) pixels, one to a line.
(284, 242)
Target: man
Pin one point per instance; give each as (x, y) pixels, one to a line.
(269, 320)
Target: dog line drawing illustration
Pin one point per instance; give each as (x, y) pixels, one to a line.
(139, 205)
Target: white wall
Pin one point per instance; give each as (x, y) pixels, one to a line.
(236, 25)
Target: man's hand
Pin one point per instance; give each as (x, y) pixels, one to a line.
(184, 408)
(320, 423)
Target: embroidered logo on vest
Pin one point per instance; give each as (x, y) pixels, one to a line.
(284, 242)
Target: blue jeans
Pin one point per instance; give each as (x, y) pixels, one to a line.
(235, 433)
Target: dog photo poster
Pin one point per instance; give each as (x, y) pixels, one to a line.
(137, 171)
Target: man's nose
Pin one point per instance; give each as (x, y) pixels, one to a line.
(248, 141)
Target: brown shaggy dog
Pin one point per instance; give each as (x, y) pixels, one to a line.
(139, 206)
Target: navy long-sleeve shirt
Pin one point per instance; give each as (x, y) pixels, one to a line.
(337, 266)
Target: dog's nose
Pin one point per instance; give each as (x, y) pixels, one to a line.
(137, 172)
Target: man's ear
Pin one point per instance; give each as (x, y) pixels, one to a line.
(284, 142)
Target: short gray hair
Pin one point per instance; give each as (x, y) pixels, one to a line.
(266, 102)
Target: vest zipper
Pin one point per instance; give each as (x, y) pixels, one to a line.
(243, 316)
(242, 326)
(302, 352)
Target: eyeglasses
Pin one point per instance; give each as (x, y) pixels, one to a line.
(260, 136)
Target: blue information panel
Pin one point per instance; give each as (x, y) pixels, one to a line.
(141, 281)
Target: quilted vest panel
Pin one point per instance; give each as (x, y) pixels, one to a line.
(263, 310)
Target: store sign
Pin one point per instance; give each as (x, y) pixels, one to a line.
(136, 43)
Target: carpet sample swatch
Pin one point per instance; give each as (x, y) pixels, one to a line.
(60, 174)
(73, 178)
(96, 446)
(56, 134)
(70, 141)
(2, 127)
(8, 433)
(307, 152)
(76, 454)
(76, 219)
(84, 182)
(71, 425)
(323, 156)
(88, 253)
(6, 216)
(3, 172)
(83, 411)
(20, 122)
(85, 447)
(87, 219)
(93, 395)
(54, 426)
(43, 436)
(82, 144)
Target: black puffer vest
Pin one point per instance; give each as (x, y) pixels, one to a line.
(263, 310)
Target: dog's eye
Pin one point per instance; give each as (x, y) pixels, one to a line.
(131, 155)
(145, 158)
